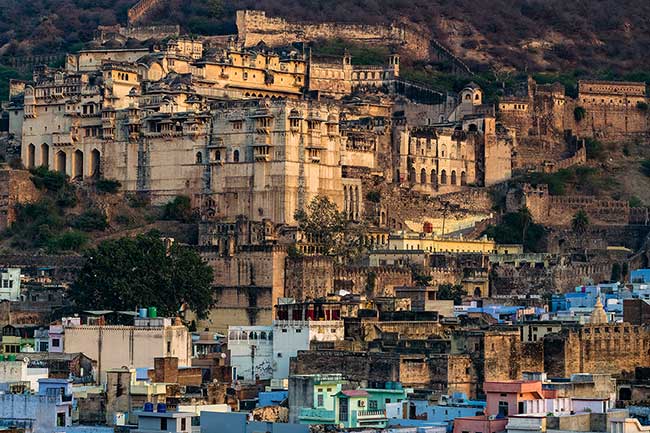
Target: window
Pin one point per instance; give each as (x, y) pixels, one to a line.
(183, 424)
(56, 342)
(279, 355)
(163, 424)
(372, 405)
(235, 156)
(503, 408)
(169, 346)
(321, 400)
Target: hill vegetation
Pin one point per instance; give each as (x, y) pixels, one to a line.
(609, 36)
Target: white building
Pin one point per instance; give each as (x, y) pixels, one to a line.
(251, 352)
(290, 336)
(131, 346)
(10, 284)
(18, 373)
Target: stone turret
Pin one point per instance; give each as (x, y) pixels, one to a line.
(598, 316)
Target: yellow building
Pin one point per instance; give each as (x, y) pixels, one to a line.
(250, 74)
(431, 243)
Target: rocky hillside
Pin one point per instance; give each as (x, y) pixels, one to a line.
(537, 35)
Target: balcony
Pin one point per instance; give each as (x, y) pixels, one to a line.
(374, 415)
(317, 416)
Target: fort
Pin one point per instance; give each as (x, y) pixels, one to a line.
(559, 210)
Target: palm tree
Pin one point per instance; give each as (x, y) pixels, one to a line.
(579, 224)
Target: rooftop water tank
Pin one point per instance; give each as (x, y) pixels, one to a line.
(153, 312)
(142, 313)
(148, 407)
(161, 407)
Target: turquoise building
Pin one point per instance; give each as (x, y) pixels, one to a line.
(351, 408)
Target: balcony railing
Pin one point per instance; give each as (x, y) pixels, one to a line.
(374, 414)
(311, 414)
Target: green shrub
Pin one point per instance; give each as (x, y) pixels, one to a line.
(594, 149)
(635, 201)
(123, 220)
(179, 209)
(642, 106)
(645, 167)
(373, 196)
(50, 180)
(137, 201)
(107, 186)
(90, 220)
(579, 113)
(66, 197)
(71, 240)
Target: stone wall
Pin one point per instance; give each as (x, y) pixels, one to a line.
(141, 9)
(615, 349)
(16, 187)
(559, 210)
(371, 281)
(361, 367)
(309, 277)
(254, 26)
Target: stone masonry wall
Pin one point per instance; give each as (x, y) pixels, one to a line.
(255, 26)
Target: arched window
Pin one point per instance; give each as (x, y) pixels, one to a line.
(453, 177)
(463, 178)
(434, 178)
(398, 178)
(199, 158)
(45, 155)
(78, 164)
(443, 177)
(423, 176)
(218, 155)
(235, 156)
(61, 161)
(31, 156)
(412, 175)
(95, 163)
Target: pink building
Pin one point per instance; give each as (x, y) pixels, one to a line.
(513, 397)
(479, 424)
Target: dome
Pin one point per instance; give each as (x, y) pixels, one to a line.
(598, 315)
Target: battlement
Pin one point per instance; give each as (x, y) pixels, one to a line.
(138, 11)
(254, 26)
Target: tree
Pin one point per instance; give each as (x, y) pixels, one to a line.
(452, 292)
(328, 229)
(518, 228)
(127, 273)
(616, 272)
(179, 209)
(579, 113)
(419, 276)
(580, 222)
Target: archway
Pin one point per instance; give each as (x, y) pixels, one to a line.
(95, 163)
(45, 155)
(453, 177)
(434, 177)
(463, 178)
(78, 164)
(423, 176)
(31, 151)
(443, 177)
(235, 156)
(61, 161)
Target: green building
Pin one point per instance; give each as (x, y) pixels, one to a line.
(351, 408)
